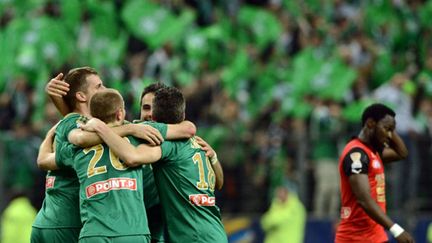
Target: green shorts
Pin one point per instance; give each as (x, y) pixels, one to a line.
(54, 235)
(117, 239)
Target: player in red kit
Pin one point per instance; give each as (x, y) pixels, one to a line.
(361, 169)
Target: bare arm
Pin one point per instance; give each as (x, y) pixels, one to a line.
(396, 149)
(216, 165)
(360, 186)
(86, 139)
(185, 129)
(131, 155)
(46, 155)
(56, 89)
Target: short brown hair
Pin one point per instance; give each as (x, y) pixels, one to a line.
(77, 80)
(105, 104)
(169, 106)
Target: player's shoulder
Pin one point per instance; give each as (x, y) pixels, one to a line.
(73, 118)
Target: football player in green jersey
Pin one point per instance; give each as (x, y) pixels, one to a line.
(61, 197)
(184, 175)
(110, 193)
(62, 185)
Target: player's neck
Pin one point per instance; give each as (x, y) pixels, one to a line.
(83, 110)
(364, 137)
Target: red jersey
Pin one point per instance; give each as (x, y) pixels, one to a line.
(356, 225)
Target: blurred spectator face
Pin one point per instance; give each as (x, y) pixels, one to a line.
(282, 194)
(146, 107)
(399, 79)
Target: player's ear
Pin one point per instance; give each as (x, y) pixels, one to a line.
(370, 123)
(80, 96)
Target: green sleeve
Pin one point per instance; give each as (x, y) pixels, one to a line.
(161, 127)
(63, 146)
(167, 148)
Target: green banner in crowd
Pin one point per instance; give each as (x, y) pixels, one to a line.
(154, 24)
(264, 25)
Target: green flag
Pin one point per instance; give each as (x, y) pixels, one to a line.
(154, 24)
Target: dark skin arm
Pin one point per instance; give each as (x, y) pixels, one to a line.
(360, 186)
(396, 149)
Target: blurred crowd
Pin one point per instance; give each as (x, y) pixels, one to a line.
(275, 86)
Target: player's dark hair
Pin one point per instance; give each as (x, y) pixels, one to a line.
(152, 88)
(105, 104)
(77, 80)
(376, 112)
(169, 106)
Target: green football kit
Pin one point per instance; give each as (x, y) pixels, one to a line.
(151, 197)
(185, 180)
(58, 220)
(111, 194)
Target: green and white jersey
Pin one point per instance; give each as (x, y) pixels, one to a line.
(186, 181)
(111, 194)
(60, 208)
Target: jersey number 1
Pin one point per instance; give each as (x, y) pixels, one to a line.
(202, 184)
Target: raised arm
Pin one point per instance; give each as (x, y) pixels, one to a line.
(132, 156)
(216, 165)
(86, 139)
(56, 89)
(46, 155)
(396, 149)
(356, 167)
(185, 129)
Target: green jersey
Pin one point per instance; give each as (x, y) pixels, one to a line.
(185, 181)
(60, 208)
(151, 197)
(111, 194)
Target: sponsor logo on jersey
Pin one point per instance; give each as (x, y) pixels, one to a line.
(111, 184)
(202, 200)
(345, 212)
(49, 182)
(356, 165)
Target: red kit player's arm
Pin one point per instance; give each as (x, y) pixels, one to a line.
(360, 187)
(396, 149)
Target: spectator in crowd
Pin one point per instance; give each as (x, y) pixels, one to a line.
(286, 219)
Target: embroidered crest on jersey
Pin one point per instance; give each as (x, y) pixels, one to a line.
(345, 212)
(111, 184)
(356, 165)
(49, 182)
(202, 200)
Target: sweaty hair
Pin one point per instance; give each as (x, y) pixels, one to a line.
(77, 80)
(105, 104)
(376, 112)
(152, 88)
(168, 106)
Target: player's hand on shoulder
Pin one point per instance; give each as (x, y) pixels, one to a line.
(148, 133)
(90, 125)
(205, 147)
(405, 237)
(57, 87)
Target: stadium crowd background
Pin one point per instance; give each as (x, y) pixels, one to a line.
(275, 86)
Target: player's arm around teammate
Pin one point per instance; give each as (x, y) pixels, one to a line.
(132, 156)
(46, 155)
(214, 161)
